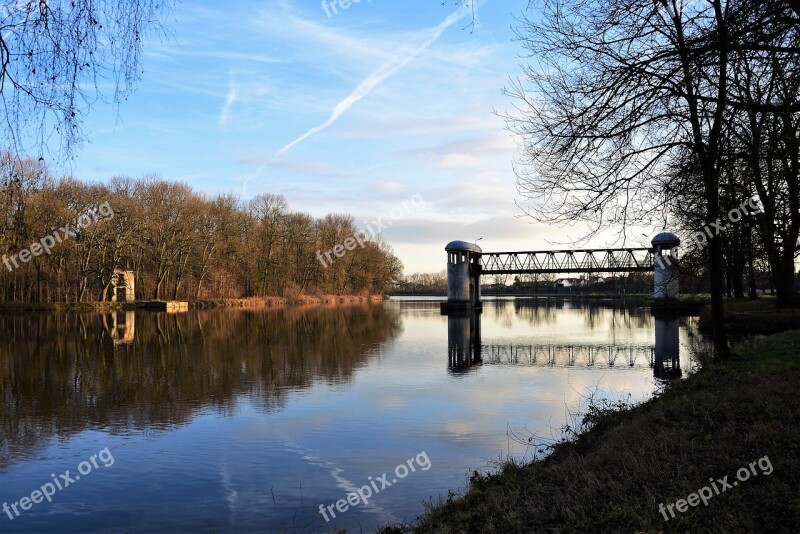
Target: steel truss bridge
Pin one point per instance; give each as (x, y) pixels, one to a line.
(615, 260)
(570, 355)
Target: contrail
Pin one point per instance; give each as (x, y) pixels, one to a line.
(366, 87)
(225, 115)
(373, 80)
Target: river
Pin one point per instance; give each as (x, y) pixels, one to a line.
(256, 421)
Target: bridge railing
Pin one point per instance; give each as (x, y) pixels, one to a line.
(568, 261)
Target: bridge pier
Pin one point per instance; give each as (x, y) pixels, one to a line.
(463, 277)
(665, 266)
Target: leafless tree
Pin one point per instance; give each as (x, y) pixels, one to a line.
(616, 93)
(59, 57)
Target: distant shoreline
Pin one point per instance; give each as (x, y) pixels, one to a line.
(701, 298)
(202, 304)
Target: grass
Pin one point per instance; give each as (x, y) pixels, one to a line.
(745, 317)
(613, 477)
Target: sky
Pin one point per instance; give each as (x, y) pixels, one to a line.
(386, 110)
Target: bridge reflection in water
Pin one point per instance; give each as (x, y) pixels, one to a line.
(466, 350)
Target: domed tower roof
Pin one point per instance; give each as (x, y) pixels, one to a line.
(666, 240)
(462, 246)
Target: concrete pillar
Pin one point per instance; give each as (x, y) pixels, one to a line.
(463, 276)
(458, 279)
(665, 266)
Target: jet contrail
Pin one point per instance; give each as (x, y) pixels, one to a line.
(366, 87)
(374, 79)
(230, 100)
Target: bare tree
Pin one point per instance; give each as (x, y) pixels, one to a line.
(618, 91)
(55, 55)
(765, 85)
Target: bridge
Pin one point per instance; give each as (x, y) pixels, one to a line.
(467, 350)
(628, 260)
(464, 358)
(466, 263)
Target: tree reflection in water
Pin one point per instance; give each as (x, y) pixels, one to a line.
(61, 374)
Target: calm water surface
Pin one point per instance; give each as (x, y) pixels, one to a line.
(239, 421)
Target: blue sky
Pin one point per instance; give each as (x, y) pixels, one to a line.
(352, 113)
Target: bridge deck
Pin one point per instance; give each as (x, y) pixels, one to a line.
(618, 260)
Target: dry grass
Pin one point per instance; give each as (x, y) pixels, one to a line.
(296, 300)
(247, 303)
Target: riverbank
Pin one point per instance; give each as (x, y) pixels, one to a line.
(272, 302)
(746, 317)
(615, 476)
(249, 303)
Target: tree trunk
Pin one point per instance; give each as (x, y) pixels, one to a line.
(783, 280)
(738, 276)
(717, 297)
(716, 269)
(751, 279)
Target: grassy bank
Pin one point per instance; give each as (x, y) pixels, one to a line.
(613, 477)
(745, 317)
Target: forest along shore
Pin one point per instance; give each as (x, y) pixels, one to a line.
(249, 303)
(180, 244)
(688, 460)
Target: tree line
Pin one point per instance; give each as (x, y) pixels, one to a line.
(668, 114)
(181, 244)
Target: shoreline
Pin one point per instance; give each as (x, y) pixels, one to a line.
(254, 303)
(622, 472)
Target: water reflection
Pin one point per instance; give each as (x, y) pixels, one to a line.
(464, 341)
(121, 326)
(240, 421)
(595, 313)
(467, 349)
(62, 374)
(667, 363)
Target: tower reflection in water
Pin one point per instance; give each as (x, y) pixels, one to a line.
(464, 345)
(667, 361)
(464, 341)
